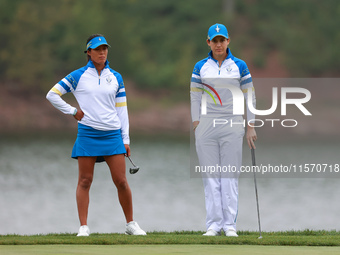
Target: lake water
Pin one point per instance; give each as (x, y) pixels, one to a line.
(38, 182)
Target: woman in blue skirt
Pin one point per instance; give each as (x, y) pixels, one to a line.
(103, 127)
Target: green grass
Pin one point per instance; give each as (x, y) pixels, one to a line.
(288, 238)
(165, 249)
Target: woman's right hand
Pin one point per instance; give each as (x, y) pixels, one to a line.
(79, 115)
(195, 124)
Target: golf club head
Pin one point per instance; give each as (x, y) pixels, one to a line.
(134, 170)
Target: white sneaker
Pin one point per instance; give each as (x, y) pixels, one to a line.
(231, 232)
(132, 228)
(84, 231)
(212, 232)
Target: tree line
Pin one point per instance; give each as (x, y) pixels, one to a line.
(156, 43)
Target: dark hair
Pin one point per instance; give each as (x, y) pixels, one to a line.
(88, 40)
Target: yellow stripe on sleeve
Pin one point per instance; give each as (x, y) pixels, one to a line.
(246, 90)
(193, 89)
(56, 91)
(121, 104)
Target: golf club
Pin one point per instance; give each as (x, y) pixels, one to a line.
(133, 169)
(257, 198)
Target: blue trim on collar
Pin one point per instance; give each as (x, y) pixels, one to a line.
(90, 64)
(228, 56)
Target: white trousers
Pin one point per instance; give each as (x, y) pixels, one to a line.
(220, 145)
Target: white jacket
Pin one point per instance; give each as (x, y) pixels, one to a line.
(210, 79)
(101, 98)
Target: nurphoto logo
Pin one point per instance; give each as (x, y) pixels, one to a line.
(238, 105)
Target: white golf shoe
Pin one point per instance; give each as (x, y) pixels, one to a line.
(231, 232)
(212, 232)
(132, 228)
(84, 231)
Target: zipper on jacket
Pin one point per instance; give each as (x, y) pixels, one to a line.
(219, 67)
(99, 77)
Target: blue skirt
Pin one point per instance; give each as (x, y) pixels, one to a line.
(96, 143)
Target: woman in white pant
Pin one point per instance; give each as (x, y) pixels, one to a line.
(218, 131)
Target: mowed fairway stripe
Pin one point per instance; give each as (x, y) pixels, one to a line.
(165, 249)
